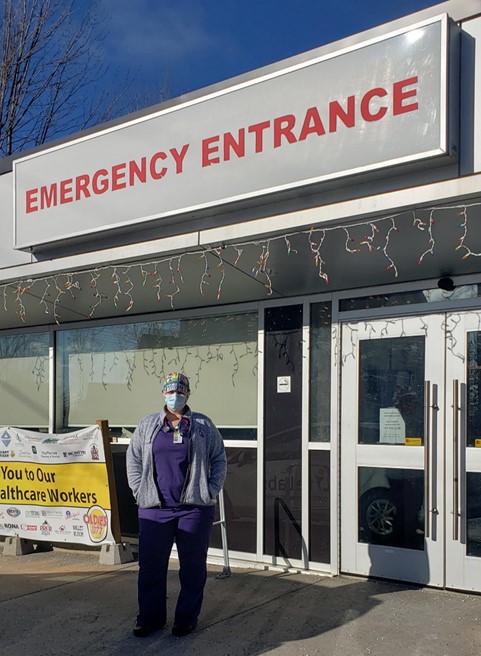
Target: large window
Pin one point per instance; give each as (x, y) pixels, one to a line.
(24, 380)
(240, 501)
(116, 372)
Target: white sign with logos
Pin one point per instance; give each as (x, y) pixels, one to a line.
(373, 105)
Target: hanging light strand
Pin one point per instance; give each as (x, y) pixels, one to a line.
(56, 286)
(316, 251)
(461, 245)
(221, 267)
(391, 264)
(205, 274)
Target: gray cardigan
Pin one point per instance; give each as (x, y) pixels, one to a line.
(207, 462)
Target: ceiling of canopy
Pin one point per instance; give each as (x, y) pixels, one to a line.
(413, 245)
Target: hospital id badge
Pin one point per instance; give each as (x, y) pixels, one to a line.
(177, 437)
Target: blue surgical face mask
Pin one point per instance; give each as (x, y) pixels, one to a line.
(175, 401)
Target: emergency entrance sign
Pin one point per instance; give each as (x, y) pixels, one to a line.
(377, 104)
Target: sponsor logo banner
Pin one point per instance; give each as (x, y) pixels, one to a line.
(60, 480)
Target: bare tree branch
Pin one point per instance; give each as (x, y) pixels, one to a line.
(52, 79)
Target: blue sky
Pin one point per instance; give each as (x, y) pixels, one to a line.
(193, 43)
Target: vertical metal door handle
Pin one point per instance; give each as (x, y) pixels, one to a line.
(427, 458)
(455, 459)
(463, 436)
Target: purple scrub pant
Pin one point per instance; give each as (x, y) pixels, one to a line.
(191, 533)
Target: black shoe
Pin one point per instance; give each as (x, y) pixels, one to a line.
(140, 631)
(180, 631)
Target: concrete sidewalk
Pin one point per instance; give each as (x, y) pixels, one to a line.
(64, 603)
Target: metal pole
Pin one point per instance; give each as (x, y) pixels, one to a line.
(223, 531)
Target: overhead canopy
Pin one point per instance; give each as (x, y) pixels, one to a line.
(412, 245)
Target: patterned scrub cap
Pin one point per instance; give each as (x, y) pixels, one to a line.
(176, 382)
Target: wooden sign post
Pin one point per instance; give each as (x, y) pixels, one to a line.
(119, 552)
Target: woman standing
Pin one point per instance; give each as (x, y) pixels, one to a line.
(176, 467)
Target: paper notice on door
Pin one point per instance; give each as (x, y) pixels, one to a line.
(392, 429)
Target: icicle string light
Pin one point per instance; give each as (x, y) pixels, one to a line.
(316, 251)
(239, 252)
(450, 324)
(461, 245)
(205, 274)
(157, 283)
(173, 280)
(391, 264)
(221, 267)
(369, 239)
(376, 238)
(289, 246)
(348, 240)
(60, 292)
(261, 268)
(44, 297)
(430, 249)
(19, 292)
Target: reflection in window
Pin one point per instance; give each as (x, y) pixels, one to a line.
(474, 389)
(473, 502)
(391, 507)
(433, 295)
(240, 501)
(116, 372)
(319, 506)
(391, 391)
(320, 373)
(24, 380)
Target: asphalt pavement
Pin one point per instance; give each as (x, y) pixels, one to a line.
(65, 603)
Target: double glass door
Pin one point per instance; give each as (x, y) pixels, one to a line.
(411, 449)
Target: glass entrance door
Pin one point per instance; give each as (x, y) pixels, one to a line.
(463, 451)
(411, 449)
(385, 441)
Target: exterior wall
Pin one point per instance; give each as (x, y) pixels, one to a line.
(8, 256)
(472, 63)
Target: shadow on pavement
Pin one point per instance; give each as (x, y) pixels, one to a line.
(54, 606)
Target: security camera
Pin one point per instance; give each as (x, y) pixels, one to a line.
(445, 283)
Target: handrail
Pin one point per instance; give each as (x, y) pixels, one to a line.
(223, 532)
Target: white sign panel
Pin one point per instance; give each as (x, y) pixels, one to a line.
(374, 105)
(54, 487)
(283, 384)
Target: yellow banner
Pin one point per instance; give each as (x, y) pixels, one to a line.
(76, 485)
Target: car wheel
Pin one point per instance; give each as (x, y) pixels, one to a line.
(380, 518)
